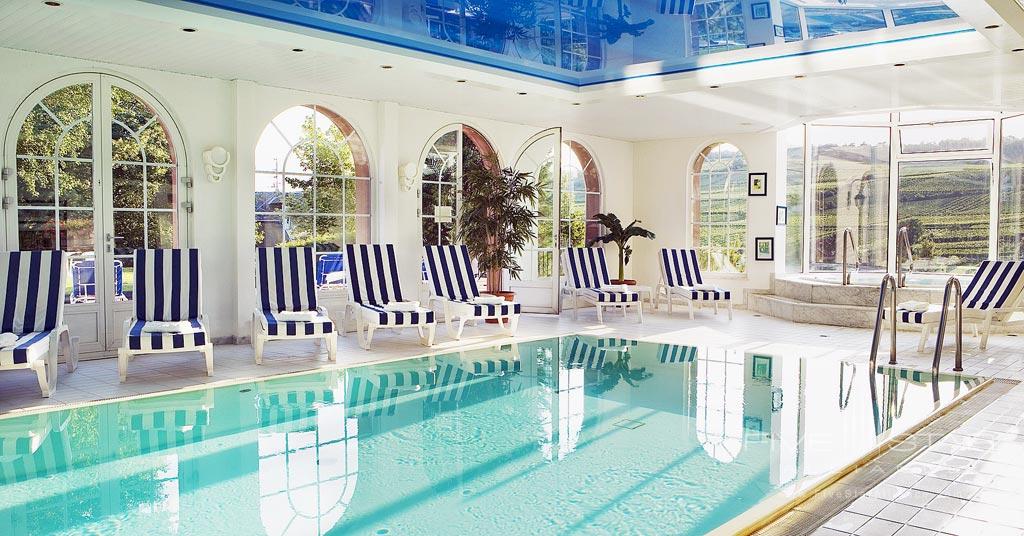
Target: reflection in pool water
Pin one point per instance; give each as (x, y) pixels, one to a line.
(580, 433)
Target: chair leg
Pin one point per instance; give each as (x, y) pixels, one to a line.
(690, 303)
(367, 339)
(575, 307)
(257, 347)
(730, 309)
(600, 319)
(47, 382)
(122, 364)
(332, 346)
(668, 298)
(986, 330)
(513, 324)
(640, 312)
(69, 347)
(716, 308)
(208, 353)
(428, 341)
(925, 330)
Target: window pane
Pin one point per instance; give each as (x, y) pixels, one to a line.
(37, 229)
(268, 192)
(794, 154)
(298, 195)
(945, 207)
(850, 170)
(128, 231)
(330, 233)
(720, 228)
(76, 230)
(791, 23)
(269, 230)
(960, 136)
(1011, 191)
(298, 231)
(914, 15)
(127, 186)
(330, 196)
(75, 184)
(161, 230)
(35, 182)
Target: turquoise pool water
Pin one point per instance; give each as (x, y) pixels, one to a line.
(579, 434)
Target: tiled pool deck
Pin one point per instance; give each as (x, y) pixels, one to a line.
(969, 481)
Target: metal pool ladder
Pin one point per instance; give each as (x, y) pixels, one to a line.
(903, 238)
(848, 241)
(876, 338)
(953, 284)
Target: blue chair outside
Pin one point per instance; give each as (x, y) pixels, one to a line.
(328, 264)
(83, 281)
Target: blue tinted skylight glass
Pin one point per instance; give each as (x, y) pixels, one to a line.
(585, 42)
(823, 22)
(914, 15)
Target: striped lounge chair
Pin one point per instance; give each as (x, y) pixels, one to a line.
(168, 288)
(32, 308)
(373, 283)
(992, 296)
(680, 278)
(453, 283)
(587, 273)
(286, 281)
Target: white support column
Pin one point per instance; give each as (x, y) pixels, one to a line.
(245, 135)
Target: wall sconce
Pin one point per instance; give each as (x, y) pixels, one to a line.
(407, 175)
(215, 161)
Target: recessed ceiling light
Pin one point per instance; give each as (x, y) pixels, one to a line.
(51, 3)
(461, 81)
(386, 67)
(746, 124)
(641, 96)
(713, 87)
(991, 26)
(799, 76)
(520, 93)
(1017, 50)
(189, 30)
(899, 65)
(298, 50)
(577, 103)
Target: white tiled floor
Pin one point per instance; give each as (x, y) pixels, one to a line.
(968, 483)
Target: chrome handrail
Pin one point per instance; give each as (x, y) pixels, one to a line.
(901, 278)
(952, 284)
(848, 240)
(875, 339)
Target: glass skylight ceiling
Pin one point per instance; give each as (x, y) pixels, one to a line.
(586, 42)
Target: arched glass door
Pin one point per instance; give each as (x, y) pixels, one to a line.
(92, 168)
(538, 286)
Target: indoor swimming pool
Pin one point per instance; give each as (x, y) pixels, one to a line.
(573, 434)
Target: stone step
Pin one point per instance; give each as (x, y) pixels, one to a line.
(858, 316)
(819, 292)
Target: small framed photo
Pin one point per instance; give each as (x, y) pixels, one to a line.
(781, 215)
(757, 184)
(764, 248)
(760, 11)
(762, 368)
(779, 31)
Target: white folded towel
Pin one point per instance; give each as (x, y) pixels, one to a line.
(615, 288)
(913, 306)
(296, 316)
(488, 299)
(7, 339)
(167, 327)
(402, 306)
(705, 286)
(334, 277)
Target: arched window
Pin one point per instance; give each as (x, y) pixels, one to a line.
(454, 151)
(719, 415)
(312, 182)
(720, 208)
(581, 195)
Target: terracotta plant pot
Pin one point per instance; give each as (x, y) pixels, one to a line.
(623, 281)
(509, 296)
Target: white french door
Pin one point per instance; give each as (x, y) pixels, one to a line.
(92, 164)
(538, 287)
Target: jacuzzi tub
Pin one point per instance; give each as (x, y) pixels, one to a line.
(874, 279)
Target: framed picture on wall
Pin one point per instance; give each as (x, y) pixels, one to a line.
(757, 184)
(760, 11)
(764, 248)
(779, 31)
(761, 368)
(781, 215)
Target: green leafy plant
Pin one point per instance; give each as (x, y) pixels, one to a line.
(621, 236)
(496, 222)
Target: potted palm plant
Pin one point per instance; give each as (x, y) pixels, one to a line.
(621, 236)
(496, 222)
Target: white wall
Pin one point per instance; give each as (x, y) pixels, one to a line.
(663, 199)
(232, 114)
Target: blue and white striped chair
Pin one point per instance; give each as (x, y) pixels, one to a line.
(373, 284)
(453, 283)
(286, 281)
(168, 288)
(680, 278)
(32, 308)
(587, 273)
(992, 296)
